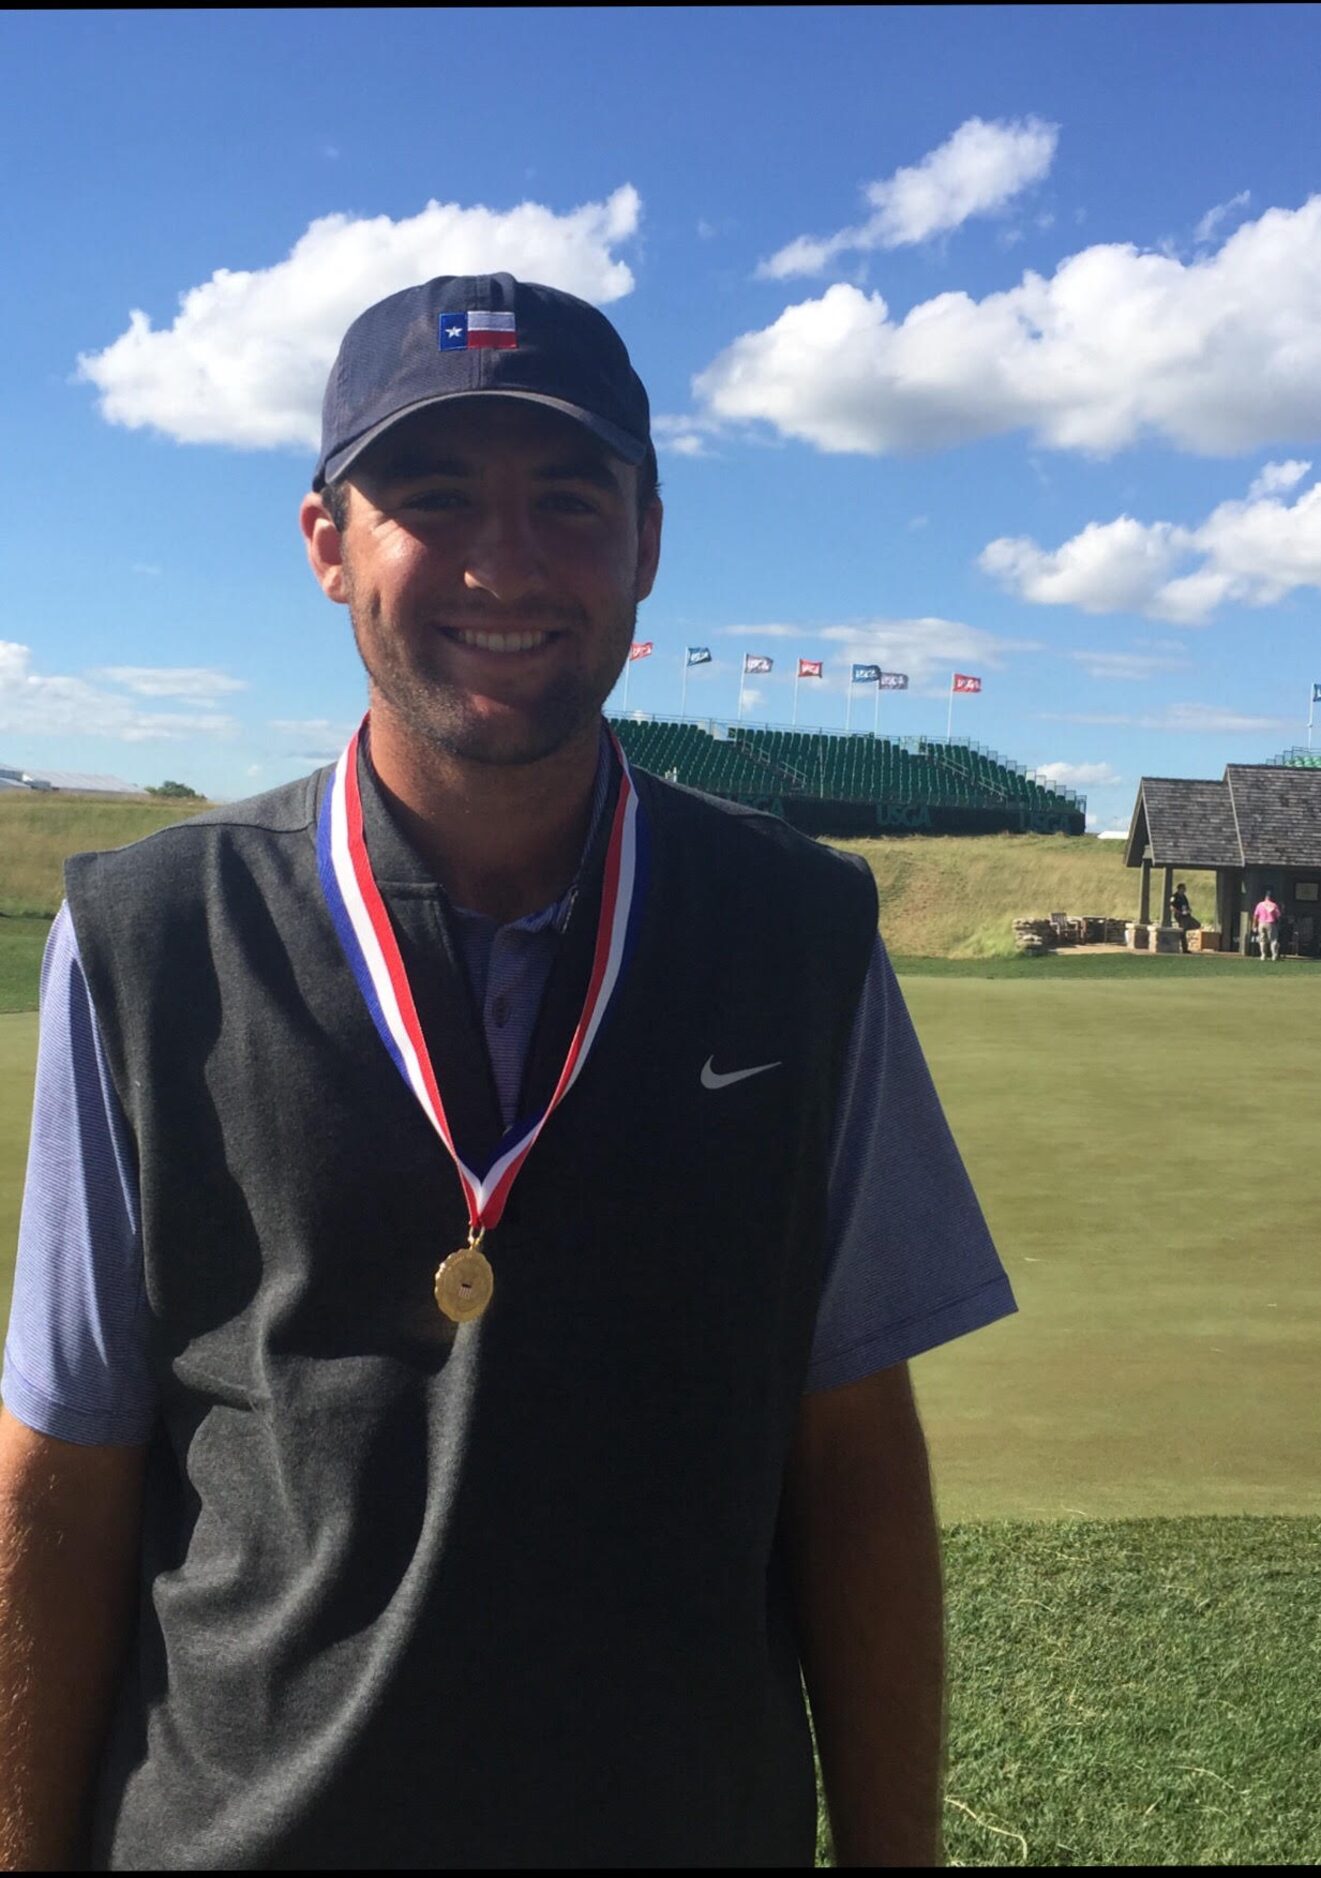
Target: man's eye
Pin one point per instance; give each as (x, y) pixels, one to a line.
(565, 502)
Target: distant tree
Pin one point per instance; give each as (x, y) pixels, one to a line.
(177, 791)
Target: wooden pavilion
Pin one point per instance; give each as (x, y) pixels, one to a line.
(1259, 828)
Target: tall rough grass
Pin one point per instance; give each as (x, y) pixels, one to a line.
(957, 896)
(38, 832)
(942, 896)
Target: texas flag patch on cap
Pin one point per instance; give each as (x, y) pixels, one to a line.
(471, 332)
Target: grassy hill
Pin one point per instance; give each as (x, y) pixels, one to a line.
(942, 896)
(957, 896)
(38, 831)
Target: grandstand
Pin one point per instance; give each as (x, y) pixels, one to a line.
(1297, 758)
(845, 783)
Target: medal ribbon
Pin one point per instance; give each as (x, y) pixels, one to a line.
(364, 929)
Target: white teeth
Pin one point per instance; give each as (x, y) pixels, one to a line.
(501, 642)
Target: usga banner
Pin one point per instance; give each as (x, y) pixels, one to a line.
(642, 648)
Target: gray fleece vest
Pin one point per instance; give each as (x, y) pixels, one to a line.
(508, 1595)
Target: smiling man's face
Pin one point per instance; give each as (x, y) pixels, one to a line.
(492, 559)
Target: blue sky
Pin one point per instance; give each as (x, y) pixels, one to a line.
(984, 339)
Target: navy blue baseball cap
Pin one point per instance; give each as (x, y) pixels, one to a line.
(467, 335)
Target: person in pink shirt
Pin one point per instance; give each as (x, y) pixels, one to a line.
(1266, 921)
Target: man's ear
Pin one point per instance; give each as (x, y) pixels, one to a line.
(324, 548)
(649, 541)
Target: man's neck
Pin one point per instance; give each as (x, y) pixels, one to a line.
(502, 839)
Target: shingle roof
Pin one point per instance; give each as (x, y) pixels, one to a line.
(1278, 813)
(1260, 815)
(1188, 822)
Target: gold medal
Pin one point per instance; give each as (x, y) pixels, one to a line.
(465, 1281)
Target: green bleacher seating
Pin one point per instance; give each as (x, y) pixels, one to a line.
(767, 765)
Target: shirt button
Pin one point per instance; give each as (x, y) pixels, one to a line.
(500, 1011)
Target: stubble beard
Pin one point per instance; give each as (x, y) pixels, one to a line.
(443, 717)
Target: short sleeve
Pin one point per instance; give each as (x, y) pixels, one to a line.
(75, 1362)
(912, 1264)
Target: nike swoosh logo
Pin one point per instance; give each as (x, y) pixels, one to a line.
(712, 1079)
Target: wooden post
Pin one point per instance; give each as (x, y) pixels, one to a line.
(1165, 918)
(1144, 904)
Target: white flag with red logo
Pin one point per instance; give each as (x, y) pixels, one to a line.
(962, 682)
(641, 648)
(809, 668)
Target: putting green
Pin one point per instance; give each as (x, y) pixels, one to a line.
(18, 1050)
(1145, 1149)
(1146, 1152)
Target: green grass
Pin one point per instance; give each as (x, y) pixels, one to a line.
(38, 833)
(1068, 967)
(958, 895)
(1145, 1149)
(18, 1055)
(1134, 1692)
(941, 895)
(22, 942)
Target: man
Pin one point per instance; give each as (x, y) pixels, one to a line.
(1181, 914)
(1266, 923)
(481, 1205)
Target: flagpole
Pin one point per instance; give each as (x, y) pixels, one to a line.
(742, 675)
(876, 712)
(949, 721)
(683, 692)
(797, 677)
(1311, 712)
(848, 705)
(628, 672)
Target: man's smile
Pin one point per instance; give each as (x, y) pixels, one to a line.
(479, 640)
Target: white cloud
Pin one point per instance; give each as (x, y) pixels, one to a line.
(1112, 834)
(1079, 775)
(1209, 223)
(32, 702)
(681, 436)
(199, 683)
(1249, 553)
(928, 649)
(1110, 567)
(1275, 479)
(977, 171)
(246, 359)
(1133, 666)
(1215, 355)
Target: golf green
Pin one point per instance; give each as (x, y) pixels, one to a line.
(1145, 1149)
(1146, 1152)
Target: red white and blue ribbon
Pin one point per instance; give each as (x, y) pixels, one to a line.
(363, 926)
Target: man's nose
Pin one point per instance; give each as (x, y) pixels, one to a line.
(504, 555)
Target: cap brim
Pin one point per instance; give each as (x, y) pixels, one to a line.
(629, 448)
